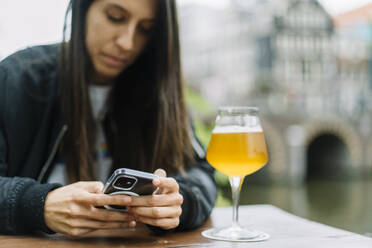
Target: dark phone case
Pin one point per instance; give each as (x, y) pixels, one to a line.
(142, 186)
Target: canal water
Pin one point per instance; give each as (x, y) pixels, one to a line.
(343, 204)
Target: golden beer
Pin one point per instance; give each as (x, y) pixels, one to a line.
(237, 153)
(237, 148)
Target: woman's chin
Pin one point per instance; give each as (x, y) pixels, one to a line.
(108, 75)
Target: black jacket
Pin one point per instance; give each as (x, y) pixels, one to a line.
(31, 128)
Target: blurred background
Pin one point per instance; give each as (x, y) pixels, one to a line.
(305, 63)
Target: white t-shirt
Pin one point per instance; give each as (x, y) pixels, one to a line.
(102, 159)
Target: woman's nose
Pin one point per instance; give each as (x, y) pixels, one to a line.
(126, 39)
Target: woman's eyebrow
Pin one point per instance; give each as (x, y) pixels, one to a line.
(121, 8)
(116, 6)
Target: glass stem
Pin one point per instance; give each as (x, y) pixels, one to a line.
(235, 183)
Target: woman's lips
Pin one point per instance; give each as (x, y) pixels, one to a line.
(114, 61)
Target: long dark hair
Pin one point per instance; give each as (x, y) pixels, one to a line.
(146, 123)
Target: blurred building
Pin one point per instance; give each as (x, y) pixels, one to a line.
(218, 50)
(296, 55)
(285, 51)
(353, 44)
(308, 73)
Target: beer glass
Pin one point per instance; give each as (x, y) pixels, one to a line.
(237, 148)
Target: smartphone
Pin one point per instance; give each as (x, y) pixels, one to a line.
(129, 182)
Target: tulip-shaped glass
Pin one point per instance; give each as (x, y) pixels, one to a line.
(237, 149)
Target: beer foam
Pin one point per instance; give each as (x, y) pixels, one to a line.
(237, 129)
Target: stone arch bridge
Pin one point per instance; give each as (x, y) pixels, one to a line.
(303, 148)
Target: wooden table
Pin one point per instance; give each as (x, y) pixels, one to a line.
(286, 230)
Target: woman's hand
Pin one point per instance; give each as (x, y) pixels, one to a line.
(71, 210)
(162, 209)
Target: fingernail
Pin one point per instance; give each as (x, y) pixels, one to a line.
(156, 181)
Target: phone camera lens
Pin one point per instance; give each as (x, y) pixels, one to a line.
(125, 182)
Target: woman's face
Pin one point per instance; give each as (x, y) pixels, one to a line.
(117, 31)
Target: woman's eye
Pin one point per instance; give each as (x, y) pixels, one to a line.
(115, 18)
(115, 15)
(146, 30)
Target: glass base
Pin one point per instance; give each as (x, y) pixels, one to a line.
(236, 234)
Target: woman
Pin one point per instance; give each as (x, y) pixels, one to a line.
(116, 81)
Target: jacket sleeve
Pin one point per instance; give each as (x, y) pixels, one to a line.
(21, 199)
(198, 188)
(199, 191)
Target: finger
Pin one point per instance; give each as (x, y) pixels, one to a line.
(79, 223)
(160, 173)
(96, 214)
(167, 184)
(109, 215)
(157, 200)
(74, 232)
(132, 224)
(77, 232)
(165, 223)
(157, 212)
(156, 181)
(103, 199)
(91, 187)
